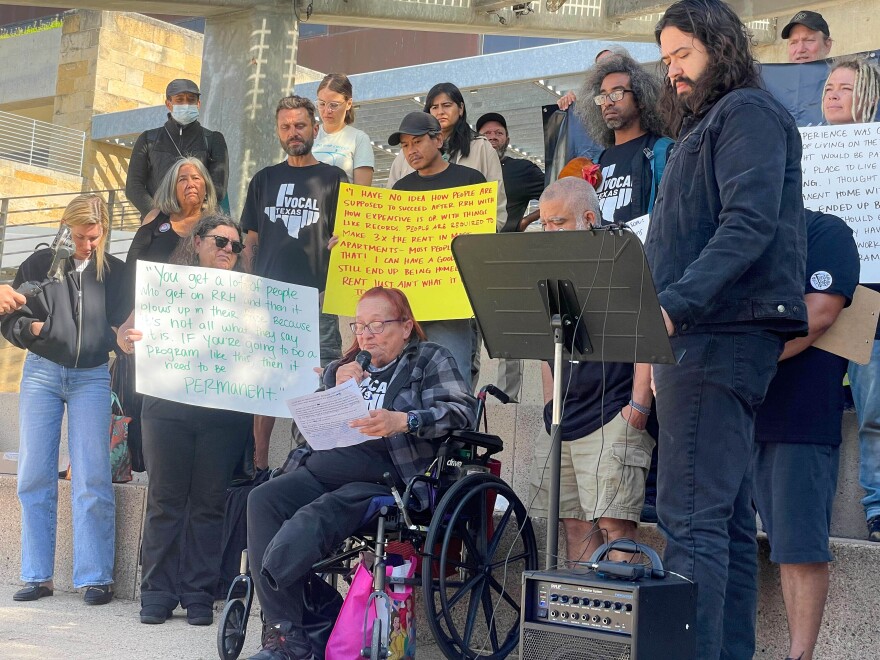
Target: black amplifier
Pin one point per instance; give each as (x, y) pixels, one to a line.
(577, 615)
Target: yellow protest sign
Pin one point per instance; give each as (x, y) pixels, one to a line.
(400, 239)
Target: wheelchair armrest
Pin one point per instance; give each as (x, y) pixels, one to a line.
(491, 443)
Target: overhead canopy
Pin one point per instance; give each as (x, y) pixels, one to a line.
(630, 20)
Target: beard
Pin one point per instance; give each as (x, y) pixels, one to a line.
(298, 148)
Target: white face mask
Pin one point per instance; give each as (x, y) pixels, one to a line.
(185, 114)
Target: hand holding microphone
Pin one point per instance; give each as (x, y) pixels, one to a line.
(356, 370)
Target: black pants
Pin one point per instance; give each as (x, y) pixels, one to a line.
(298, 518)
(190, 453)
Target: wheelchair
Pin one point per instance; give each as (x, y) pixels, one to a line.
(471, 551)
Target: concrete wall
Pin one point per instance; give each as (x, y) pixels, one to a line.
(31, 68)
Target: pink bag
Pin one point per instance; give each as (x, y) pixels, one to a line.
(348, 638)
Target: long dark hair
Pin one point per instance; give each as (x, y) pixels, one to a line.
(728, 44)
(398, 300)
(185, 253)
(645, 87)
(459, 141)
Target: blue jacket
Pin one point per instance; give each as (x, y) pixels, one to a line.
(727, 240)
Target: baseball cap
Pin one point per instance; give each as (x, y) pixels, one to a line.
(810, 19)
(181, 86)
(491, 116)
(415, 123)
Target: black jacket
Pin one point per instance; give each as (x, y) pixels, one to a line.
(156, 151)
(77, 312)
(727, 242)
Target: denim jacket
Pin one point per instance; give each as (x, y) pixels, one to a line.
(727, 240)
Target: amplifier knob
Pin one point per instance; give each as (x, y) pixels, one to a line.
(597, 602)
(554, 598)
(628, 607)
(607, 604)
(564, 599)
(575, 600)
(617, 606)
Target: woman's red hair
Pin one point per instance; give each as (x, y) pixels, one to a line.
(399, 302)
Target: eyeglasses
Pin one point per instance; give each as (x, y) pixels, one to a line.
(333, 106)
(614, 97)
(221, 242)
(375, 327)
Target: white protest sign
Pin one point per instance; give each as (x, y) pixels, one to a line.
(639, 226)
(222, 339)
(841, 172)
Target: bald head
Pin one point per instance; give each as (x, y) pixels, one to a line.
(569, 204)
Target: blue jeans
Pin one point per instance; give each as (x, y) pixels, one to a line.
(706, 407)
(865, 383)
(45, 389)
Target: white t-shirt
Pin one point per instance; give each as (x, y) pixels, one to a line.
(347, 148)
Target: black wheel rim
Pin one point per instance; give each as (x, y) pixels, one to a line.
(476, 613)
(232, 630)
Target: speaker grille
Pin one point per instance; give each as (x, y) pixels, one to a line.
(542, 645)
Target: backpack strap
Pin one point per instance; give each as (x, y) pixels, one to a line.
(657, 155)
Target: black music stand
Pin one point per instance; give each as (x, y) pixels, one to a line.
(537, 296)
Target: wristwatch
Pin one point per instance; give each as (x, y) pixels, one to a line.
(413, 422)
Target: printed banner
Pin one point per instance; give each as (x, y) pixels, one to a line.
(401, 239)
(841, 172)
(222, 339)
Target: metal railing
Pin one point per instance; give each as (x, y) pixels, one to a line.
(30, 222)
(38, 143)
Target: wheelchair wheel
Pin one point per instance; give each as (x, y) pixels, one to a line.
(472, 566)
(231, 630)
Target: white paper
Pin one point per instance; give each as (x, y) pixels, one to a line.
(323, 417)
(639, 226)
(841, 174)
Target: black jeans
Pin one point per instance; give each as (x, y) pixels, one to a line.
(298, 518)
(707, 405)
(190, 453)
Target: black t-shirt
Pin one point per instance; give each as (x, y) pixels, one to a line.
(452, 177)
(615, 192)
(293, 210)
(804, 403)
(523, 182)
(585, 408)
(154, 241)
(375, 384)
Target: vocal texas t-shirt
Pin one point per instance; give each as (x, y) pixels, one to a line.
(293, 210)
(615, 191)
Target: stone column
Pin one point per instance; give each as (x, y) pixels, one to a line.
(248, 63)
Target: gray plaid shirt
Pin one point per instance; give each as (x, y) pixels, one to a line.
(427, 383)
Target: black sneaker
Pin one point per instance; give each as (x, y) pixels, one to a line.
(199, 614)
(874, 529)
(283, 642)
(154, 614)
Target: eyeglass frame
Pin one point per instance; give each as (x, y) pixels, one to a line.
(332, 105)
(600, 99)
(225, 240)
(366, 326)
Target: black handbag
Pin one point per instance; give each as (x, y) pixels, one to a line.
(321, 605)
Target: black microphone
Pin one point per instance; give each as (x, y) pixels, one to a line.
(363, 359)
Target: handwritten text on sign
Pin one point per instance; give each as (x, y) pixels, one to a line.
(841, 172)
(402, 239)
(222, 339)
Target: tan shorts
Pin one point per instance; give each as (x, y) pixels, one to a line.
(602, 474)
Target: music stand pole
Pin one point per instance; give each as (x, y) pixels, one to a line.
(551, 559)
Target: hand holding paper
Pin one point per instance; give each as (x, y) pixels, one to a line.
(325, 418)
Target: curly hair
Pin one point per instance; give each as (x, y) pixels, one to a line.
(645, 87)
(728, 44)
(866, 90)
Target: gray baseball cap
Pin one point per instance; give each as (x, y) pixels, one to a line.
(181, 86)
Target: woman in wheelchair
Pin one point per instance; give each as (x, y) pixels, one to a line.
(416, 396)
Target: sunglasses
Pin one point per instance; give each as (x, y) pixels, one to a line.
(221, 242)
